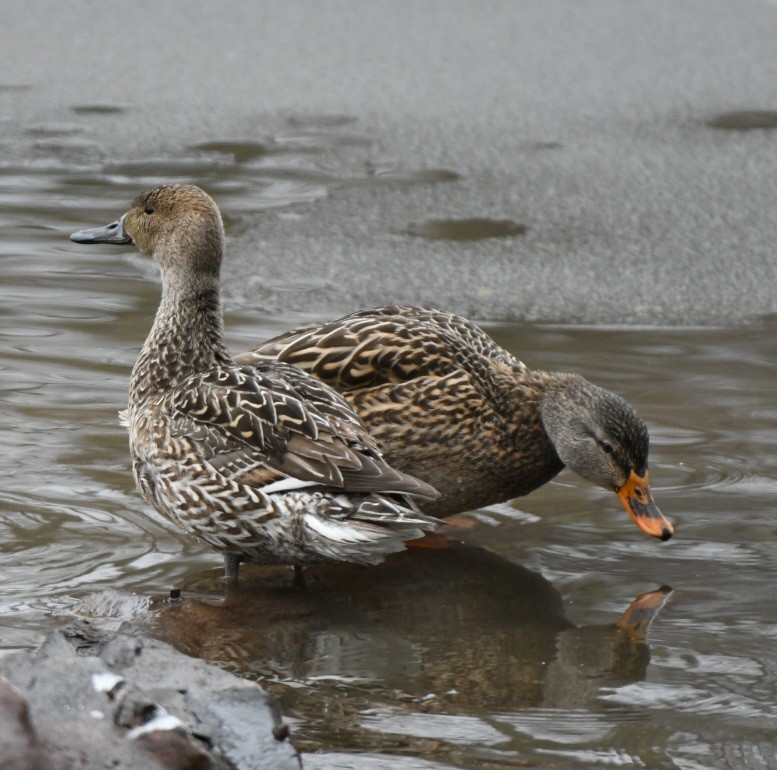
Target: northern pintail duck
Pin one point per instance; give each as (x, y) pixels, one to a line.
(264, 463)
(450, 406)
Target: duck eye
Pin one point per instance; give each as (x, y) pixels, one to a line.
(607, 447)
(149, 209)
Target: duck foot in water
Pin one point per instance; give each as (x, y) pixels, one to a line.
(231, 566)
(232, 563)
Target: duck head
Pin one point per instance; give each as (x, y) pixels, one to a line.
(179, 225)
(598, 435)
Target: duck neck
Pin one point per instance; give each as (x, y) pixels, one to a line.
(528, 398)
(527, 442)
(564, 408)
(186, 338)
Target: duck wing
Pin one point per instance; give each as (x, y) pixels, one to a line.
(276, 428)
(392, 345)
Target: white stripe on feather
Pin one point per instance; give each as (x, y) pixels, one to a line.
(343, 533)
(287, 484)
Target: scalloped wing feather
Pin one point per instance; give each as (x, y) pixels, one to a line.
(391, 345)
(252, 426)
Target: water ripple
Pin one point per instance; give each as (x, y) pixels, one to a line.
(454, 729)
(689, 699)
(336, 761)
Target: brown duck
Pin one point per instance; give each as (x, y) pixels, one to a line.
(264, 463)
(450, 406)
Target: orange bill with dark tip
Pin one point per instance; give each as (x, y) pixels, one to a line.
(637, 500)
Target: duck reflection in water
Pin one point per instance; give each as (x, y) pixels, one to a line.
(459, 621)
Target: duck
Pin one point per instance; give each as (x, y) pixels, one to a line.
(449, 406)
(262, 462)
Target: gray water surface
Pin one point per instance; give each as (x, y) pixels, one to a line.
(507, 654)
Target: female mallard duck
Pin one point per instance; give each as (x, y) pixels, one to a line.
(449, 406)
(264, 463)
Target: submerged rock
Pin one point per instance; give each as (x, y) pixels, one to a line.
(90, 699)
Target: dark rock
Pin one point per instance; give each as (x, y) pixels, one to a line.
(89, 699)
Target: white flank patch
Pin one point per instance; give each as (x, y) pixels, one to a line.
(287, 484)
(339, 533)
(105, 681)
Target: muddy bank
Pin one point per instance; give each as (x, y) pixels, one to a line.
(626, 144)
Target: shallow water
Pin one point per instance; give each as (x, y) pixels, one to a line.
(507, 654)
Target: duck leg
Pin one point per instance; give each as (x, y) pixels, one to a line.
(231, 566)
(299, 577)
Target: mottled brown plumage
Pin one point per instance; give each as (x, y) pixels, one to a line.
(265, 463)
(450, 406)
